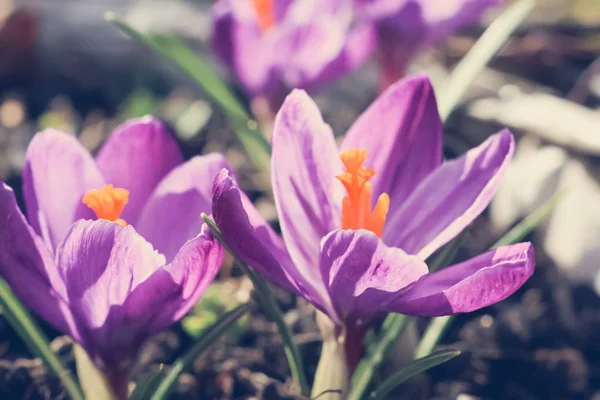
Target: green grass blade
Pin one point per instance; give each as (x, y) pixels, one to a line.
(530, 222)
(432, 335)
(269, 306)
(191, 63)
(30, 333)
(393, 326)
(148, 385)
(486, 47)
(438, 326)
(208, 338)
(416, 367)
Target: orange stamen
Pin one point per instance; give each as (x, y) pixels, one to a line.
(356, 206)
(107, 203)
(265, 11)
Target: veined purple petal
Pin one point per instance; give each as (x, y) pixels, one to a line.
(342, 50)
(304, 166)
(402, 133)
(379, 9)
(450, 198)
(253, 241)
(29, 268)
(362, 273)
(102, 263)
(171, 216)
(247, 234)
(239, 42)
(58, 172)
(136, 157)
(308, 48)
(405, 27)
(443, 19)
(175, 288)
(468, 286)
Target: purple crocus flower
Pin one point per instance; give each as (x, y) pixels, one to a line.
(405, 27)
(130, 261)
(269, 44)
(352, 260)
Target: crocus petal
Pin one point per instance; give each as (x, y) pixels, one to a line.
(29, 268)
(443, 19)
(450, 198)
(58, 172)
(304, 166)
(406, 27)
(101, 264)
(402, 133)
(247, 234)
(239, 42)
(169, 293)
(136, 157)
(468, 286)
(171, 216)
(341, 51)
(362, 273)
(255, 243)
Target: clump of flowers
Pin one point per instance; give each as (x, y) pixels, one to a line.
(113, 249)
(270, 45)
(359, 222)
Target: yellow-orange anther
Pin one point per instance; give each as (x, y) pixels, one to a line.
(107, 203)
(265, 11)
(356, 206)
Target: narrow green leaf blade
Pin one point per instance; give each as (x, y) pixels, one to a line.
(190, 62)
(30, 333)
(416, 367)
(530, 222)
(393, 326)
(269, 306)
(208, 338)
(486, 47)
(432, 335)
(148, 385)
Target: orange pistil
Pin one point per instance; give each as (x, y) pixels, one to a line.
(356, 206)
(265, 11)
(107, 203)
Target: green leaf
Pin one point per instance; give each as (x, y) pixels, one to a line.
(200, 71)
(414, 368)
(30, 333)
(432, 335)
(392, 327)
(269, 306)
(530, 222)
(208, 338)
(148, 385)
(486, 47)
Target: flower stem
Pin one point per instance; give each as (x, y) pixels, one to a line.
(332, 379)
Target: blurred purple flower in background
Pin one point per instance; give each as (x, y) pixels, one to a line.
(352, 260)
(113, 279)
(405, 27)
(273, 44)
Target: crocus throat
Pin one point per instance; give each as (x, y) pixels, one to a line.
(107, 203)
(265, 12)
(356, 206)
